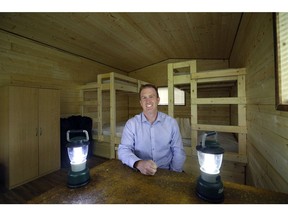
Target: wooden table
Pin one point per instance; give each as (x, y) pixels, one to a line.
(114, 183)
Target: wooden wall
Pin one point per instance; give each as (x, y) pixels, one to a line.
(25, 62)
(267, 138)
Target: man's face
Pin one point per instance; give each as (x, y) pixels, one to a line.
(149, 100)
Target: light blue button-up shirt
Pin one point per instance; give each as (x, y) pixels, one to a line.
(160, 141)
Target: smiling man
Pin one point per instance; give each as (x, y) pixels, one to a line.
(151, 139)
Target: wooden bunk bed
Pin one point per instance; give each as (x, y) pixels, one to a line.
(184, 75)
(107, 130)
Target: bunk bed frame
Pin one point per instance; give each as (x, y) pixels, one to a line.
(177, 77)
(106, 145)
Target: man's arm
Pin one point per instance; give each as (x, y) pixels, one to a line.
(179, 155)
(126, 148)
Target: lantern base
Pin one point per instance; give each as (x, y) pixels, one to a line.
(212, 192)
(78, 179)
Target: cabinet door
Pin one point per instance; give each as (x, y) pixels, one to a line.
(23, 131)
(49, 127)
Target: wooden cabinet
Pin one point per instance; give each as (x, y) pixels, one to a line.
(29, 133)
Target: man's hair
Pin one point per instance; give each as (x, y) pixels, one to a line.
(148, 86)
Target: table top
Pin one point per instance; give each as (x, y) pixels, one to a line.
(115, 183)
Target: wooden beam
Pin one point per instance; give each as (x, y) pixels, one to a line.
(182, 79)
(220, 128)
(182, 64)
(88, 86)
(170, 90)
(224, 100)
(219, 73)
(112, 115)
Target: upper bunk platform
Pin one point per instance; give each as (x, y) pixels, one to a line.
(118, 82)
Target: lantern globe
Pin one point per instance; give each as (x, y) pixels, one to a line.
(210, 157)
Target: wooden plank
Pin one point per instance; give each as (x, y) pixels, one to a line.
(105, 86)
(242, 118)
(170, 90)
(242, 146)
(223, 100)
(112, 114)
(182, 79)
(217, 79)
(194, 107)
(127, 88)
(90, 86)
(219, 73)
(194, 111)
(103, 76)
(185, 64)
(220, 128)
(100, 101)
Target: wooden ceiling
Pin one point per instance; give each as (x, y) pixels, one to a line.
(130, 41)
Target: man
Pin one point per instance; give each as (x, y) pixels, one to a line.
(151, 139)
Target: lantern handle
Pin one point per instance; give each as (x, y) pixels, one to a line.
(206, 134)
(77, 131)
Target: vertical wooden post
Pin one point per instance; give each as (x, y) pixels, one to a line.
(112, 115)
(241, 114)
(170, 90)
(100, 102)
(194, 115)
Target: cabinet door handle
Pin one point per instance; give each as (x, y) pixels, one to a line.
(40, 131)
(36, 131)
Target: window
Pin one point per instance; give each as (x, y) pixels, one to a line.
(179, 96)
(281, 60)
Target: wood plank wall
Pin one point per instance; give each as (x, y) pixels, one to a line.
(25, 62)
(267, 138)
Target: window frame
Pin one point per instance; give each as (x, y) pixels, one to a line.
(280, 105)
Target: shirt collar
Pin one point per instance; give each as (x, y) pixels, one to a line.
(158, 119)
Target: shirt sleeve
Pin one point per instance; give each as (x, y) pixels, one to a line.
(126, 148)
(179, 155)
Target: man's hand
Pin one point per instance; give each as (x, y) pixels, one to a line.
(146, 167)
